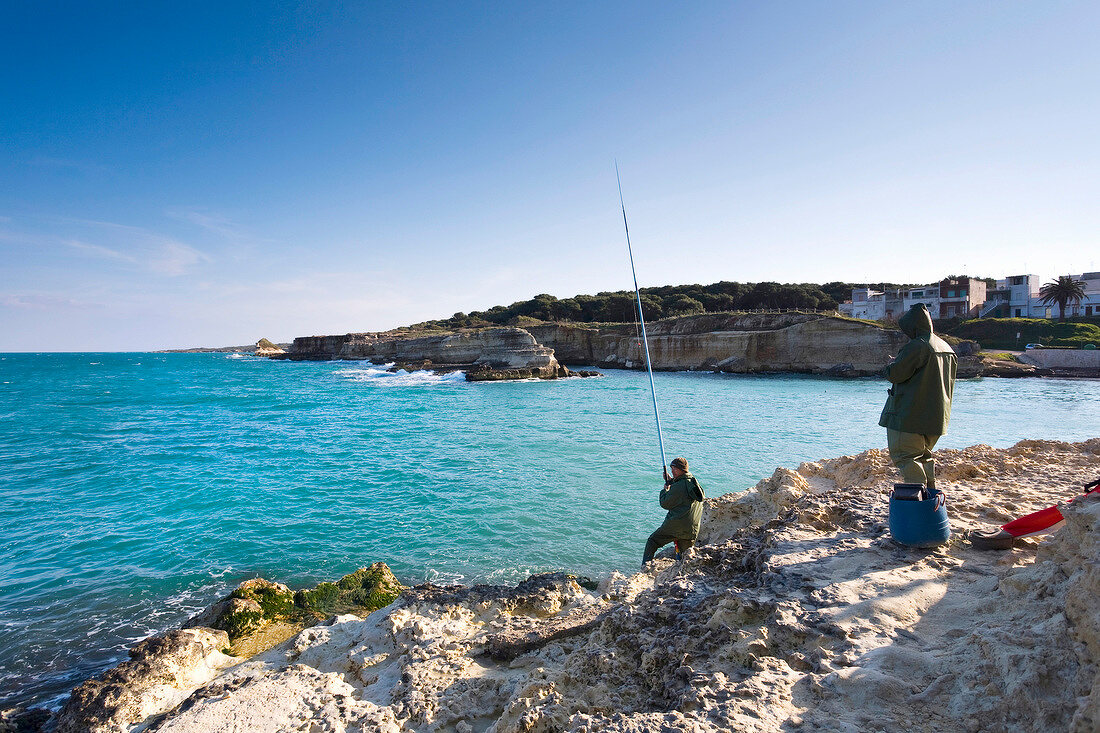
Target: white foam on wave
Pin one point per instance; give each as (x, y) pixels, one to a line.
(401, 378)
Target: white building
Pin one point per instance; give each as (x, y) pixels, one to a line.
(1089, 306)
(928, 294)
(873, 305)
(1012, 298)
(949, 298)
(1016, 296)
(867, 304)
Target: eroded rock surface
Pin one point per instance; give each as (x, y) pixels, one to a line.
(160, 673)
(491, 353)
(736, 343)
(986, 365)
(796, 612)
(265, 347)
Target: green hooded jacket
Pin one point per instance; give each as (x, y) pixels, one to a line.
(684, 500)
(923, 375)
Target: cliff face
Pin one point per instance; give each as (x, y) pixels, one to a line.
(487, 353)
(774, 342)
(740, 343)
(264, 347)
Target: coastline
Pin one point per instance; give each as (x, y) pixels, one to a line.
(795, 611)
(732, 343)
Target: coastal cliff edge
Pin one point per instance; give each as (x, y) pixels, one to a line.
(796, 611)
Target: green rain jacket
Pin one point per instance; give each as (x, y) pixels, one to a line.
(684, 500)
(923, 377)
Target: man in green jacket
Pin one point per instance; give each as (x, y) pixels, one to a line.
(683, 497)
(919, 403)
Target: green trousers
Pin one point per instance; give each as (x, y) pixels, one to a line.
(912, 454)
(659, 539)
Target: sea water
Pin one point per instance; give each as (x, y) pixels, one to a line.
(137, 488)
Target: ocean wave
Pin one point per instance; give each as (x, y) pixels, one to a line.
(382, 376)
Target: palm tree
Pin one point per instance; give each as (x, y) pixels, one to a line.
(1062, 291)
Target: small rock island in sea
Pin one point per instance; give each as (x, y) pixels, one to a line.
(796, 611)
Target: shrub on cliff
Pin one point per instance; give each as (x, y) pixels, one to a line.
(657, 302)
(683, 305)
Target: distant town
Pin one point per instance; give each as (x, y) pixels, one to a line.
(1016, 296)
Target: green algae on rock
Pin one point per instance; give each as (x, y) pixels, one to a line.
(366, 588)
(258, 603)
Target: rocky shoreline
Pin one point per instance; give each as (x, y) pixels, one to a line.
(484, 354)
(732, 343)
(796, 611)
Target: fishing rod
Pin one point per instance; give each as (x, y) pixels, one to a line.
(641, 318)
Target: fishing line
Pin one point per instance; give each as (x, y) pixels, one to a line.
(641, 318)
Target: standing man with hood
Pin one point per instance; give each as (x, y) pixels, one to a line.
(919, 403)
(683, 497)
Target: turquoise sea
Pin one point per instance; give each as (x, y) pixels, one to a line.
(136, 488)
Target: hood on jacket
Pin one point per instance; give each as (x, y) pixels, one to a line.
(916, 320)
(696, 489)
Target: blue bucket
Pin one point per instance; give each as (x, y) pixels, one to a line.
(920, 523)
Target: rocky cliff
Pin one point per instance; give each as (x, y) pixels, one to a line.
(484, 353)
(264, 347)
(735, 343)
(804, 343)
(794, 612)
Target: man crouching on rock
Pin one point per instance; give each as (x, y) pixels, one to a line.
(919, 402)
(683, 497)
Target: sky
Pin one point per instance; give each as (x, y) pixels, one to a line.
(207, 174)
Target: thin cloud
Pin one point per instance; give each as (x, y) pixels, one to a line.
(243, 243)
(96, 250)
(40, 302)
(210, 222)
(176, 259)
(158, 253)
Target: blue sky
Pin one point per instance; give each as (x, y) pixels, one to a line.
(184, 174)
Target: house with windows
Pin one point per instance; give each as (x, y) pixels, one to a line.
(1016, 296)
(1089, 305)
(928, 294)
(873, 305)
(948, 298)
(1011, 298)
(962, 297)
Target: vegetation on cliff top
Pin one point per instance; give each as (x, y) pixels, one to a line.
(1000, 333)
(674, 301)
(666, 301)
